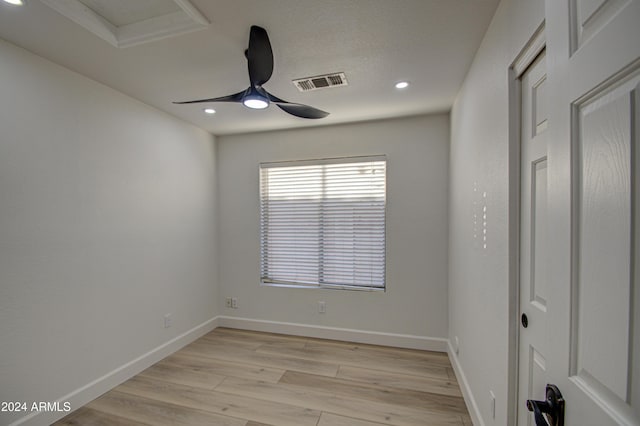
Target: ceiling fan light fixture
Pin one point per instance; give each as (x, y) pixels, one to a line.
(255, 99)
(255, 102)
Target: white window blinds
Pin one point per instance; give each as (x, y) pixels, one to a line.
(322, 223)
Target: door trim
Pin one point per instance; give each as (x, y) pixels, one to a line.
(526, 56)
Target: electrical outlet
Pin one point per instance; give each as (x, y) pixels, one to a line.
(322, 307)
(167, 320)
(234, 302)
(227, 302)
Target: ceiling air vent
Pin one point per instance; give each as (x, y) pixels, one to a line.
(320, 82)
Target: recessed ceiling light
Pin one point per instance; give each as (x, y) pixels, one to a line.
(402, 84)
(209, 111)
(15, 2)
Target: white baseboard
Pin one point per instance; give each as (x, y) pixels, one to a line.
(472, 406)
(90, 391)
(360, 336)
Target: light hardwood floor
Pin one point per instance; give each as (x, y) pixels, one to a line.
(244, 378)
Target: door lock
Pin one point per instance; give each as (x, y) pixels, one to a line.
(552, 408)
(524, 320)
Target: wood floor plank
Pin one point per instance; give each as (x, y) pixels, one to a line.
(85, 416)
(158, 413)
(440, 384)
(452, 374)
(273, 360)
(259, 336)
(239, 406)
(358, 358)
(252, 340)
(373, 351)
(325, 401)
(292, 344)
(192, 359)
(437, 358)
(376, 394)
(246, 342)
(328, 419)
(238, 341)
(189, 376)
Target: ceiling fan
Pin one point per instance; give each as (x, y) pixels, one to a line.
(260, 61)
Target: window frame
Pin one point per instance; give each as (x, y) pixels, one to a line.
(264, 281)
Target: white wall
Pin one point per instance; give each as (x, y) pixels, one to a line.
(107, 222)
(478, 276)
(415, 303)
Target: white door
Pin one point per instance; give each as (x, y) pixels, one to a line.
(593, 303)
(533, 241)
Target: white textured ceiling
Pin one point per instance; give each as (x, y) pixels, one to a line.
(375, 43)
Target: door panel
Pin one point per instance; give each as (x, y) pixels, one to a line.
(602, 156)
(538, 296)
(537, 379)
(590, 16)
(592, 311)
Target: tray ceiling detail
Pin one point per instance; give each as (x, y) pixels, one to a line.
(124, 23)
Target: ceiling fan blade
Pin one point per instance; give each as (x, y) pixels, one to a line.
(259, 56)
(299, 110)
(236, 97)
(302, 111)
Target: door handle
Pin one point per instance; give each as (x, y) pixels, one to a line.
(553, 408)
(538, 407)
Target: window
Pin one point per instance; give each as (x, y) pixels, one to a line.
(322, 223)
